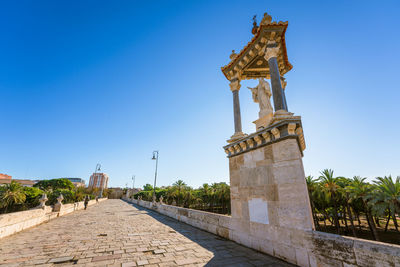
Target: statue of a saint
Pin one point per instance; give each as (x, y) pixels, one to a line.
(262, 95)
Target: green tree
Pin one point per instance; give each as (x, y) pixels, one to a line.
(179, 186)
(11, 194)
(361, 190)
(330, 186)
(387, 198)
(147, 187)
(33, 195)
(55, 184)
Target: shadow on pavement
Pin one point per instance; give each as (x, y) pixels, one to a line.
(226, 252)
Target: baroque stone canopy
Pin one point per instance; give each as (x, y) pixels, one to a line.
(250, 63)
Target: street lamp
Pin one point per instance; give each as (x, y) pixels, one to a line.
(155, 157)
(133, 181)
(98, 167)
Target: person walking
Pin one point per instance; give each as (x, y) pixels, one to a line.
(86, 201)
(97, 199)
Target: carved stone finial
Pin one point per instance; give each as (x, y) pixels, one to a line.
(233, 55)
(266, 19)
(161, 200)
(42, 201)
(255, 27)
(60, 198)
(58, 205)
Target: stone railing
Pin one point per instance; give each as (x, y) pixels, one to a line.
(303, 248)
(14, 222)
(290, 128)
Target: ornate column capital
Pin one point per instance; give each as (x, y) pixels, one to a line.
(235, 85)
(271, 52)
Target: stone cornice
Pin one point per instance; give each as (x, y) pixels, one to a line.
(288, 128)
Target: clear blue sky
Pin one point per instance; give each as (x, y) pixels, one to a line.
(83, 82)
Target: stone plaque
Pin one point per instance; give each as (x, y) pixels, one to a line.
(258, 210)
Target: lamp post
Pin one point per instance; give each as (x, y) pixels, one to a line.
(133, 181)
(155, 157)
(98, 167)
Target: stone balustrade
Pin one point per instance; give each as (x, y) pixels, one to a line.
(14, 222)
(289, 128)
(300, 247)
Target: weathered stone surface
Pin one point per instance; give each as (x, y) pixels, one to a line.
(115, 233)
(15, 222)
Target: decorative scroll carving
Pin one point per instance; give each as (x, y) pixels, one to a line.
(276, 133)
(291, 128)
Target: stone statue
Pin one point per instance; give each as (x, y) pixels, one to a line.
(262, 96)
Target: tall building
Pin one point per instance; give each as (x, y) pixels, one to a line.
(98, 180)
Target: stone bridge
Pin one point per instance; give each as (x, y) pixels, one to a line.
(117, 233)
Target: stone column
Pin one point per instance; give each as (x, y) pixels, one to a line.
(271, 55)
(235, 86)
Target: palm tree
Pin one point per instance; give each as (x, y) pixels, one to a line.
(331, 187)
(361, 190)
(387, 197)
(311, 185)
(11, 194)
(344, 183)
(179, 186)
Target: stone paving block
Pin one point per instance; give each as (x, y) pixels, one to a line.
(142, 262)
(61, 259)
(147, 238)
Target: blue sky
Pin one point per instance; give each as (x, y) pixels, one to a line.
(86, 82)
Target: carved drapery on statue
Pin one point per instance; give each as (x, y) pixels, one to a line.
(262, 95)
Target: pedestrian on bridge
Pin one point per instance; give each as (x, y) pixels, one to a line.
(86, 201)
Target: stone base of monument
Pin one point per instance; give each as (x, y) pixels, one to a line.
(281, 115)
(263, 122)
(269, 197)
(236, 137)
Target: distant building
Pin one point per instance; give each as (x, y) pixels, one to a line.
(5, 179)
(98, 180)
(78, 182)
(26, 183)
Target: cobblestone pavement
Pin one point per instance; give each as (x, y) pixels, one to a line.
(115, 233)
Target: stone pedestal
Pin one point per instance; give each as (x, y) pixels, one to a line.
(263, 122)
(269, 197)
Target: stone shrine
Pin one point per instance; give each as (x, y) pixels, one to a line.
(269, 196)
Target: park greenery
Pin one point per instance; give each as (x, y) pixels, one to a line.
(212, 198)
(15, 197)
(341, 205)
(346, 206)
(355, 207)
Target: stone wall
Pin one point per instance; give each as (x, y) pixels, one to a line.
(300, 247)
(15, 222)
